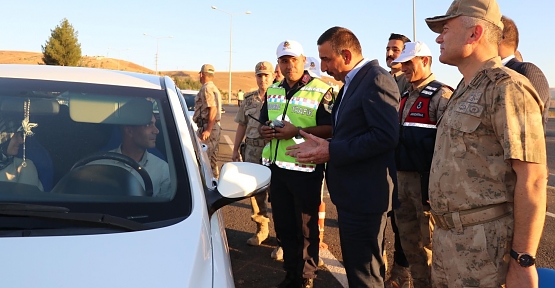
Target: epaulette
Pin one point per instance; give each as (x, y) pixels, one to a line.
(249, 94)
(432, 88)
(497, 75)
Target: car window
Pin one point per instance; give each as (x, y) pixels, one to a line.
(61, 144)
(200, 149)
(190, 100)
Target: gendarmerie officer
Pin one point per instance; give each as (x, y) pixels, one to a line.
(421, 105)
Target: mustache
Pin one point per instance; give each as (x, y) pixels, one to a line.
(389, 57)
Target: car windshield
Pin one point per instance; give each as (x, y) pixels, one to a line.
(61, 144)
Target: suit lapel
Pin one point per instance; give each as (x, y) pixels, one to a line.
(353, 87)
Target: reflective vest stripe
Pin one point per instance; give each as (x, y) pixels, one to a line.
(320, 90)
(276, 99)
(309, 103)
(421, 125)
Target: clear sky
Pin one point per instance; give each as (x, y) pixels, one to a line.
(201, 34)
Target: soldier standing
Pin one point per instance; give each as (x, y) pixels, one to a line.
(208, 107)
(399, 275)
(247, 125)
(488, 176)
(421, 105)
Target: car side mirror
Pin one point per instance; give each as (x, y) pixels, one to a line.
(238, 180)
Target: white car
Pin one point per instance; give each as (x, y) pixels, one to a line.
(82, 224)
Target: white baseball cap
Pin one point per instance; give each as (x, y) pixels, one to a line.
(413, 49)
(312, 65)
(289, 47)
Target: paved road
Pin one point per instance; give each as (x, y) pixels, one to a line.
(253, 267)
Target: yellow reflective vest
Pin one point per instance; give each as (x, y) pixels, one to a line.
(300, 111)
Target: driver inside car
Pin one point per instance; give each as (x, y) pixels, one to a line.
(135, 140)
(12, 168)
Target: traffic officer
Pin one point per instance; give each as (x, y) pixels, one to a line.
(421, 105)
(247, 124)
(297, 103)
(208, 107)
(488, 176)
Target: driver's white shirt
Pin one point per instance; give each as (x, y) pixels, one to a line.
(157, 169)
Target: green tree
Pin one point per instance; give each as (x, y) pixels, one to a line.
(186, 83)
(62, 47)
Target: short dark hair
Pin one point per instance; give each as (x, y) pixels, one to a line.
(510, 32)
(340, 39)
(401, 37)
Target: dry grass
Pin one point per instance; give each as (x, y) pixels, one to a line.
(240, 80)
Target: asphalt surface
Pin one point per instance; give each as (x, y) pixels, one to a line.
(253, 267)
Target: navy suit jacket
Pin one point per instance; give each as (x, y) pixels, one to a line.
(537, 79)
(361, 174)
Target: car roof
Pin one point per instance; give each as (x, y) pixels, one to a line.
(187, 91)
(80, 75)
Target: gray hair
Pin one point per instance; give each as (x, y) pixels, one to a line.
(492, 33)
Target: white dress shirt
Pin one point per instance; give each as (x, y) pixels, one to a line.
(348, 78)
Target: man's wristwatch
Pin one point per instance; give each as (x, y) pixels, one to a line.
(523, 259)
(298, 136)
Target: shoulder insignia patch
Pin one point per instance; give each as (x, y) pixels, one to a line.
(306, 78)
(328, 96)
(250, 94)
(497, 75)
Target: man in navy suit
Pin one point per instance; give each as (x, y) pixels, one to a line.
(507, 50)
(360, 173)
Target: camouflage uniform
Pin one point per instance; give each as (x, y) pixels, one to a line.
(253, 148)
(412, 217)
(496, 117)
(209, 96)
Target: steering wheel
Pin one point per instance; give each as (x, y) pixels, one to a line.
(121, 158)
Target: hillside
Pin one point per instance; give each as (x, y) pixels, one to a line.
(240, 80)
(35, 58)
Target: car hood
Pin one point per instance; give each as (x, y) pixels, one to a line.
(174, 256)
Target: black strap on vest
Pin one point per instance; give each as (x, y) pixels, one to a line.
(431, 89)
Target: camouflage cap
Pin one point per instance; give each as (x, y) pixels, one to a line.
(207, 68)
(487, 10)
(264, 67)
